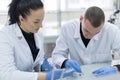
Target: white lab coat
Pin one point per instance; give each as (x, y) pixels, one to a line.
(70, 45)
(16, 61)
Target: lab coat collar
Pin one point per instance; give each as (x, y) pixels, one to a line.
(20, 35)
(39, 43)
(21, 39)
(18, 31)
(77, 30)
(38, 40)
(37, 37)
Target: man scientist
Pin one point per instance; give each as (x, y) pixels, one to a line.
(87, 40)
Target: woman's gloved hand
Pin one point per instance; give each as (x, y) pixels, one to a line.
(104, 71)
(58, 73)
(46, 66)
(73, 64)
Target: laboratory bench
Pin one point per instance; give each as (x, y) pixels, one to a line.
(87, 73)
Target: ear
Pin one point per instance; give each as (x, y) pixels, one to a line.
(81, 18)
(21, 19)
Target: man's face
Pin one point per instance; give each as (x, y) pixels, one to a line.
(88, 30)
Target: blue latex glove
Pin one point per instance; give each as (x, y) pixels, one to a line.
(46, 66)
(73, 64)
(104, 71)
(57, 74)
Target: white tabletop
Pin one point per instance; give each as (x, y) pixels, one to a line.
(88, 69)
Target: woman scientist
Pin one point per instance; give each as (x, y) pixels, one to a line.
(21, 44)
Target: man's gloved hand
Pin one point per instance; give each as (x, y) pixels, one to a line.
(46, 66)
(73, 64)
(104, 71)
(58, 72)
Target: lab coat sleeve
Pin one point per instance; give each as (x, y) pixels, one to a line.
(8, 70)
(60, 52)
(116, 42)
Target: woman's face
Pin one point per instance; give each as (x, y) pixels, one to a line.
(33, 22)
